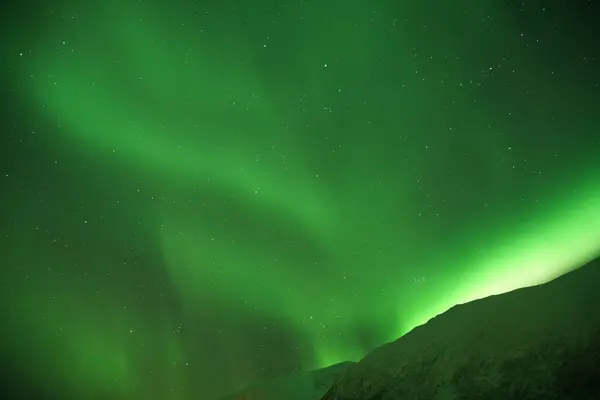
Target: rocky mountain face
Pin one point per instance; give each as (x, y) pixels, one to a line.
(535, 343)
(541, 343)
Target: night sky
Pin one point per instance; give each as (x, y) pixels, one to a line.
(197, 195)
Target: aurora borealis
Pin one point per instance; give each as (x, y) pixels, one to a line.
(199, 195)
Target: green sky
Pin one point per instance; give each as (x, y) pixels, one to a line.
(199, 195)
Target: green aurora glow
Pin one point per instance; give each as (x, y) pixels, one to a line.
(200, 196)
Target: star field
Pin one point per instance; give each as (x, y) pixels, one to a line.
(200, 195)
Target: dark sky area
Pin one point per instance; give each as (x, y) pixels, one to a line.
(197, 195)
